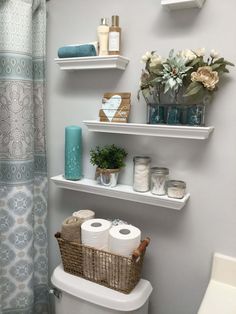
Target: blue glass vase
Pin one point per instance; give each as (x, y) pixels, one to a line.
(196, 115)
(73, 153)
(173, 115)
(155, 114)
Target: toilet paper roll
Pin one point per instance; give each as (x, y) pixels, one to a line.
(84, 214)
(95, 232)
(124, 239)
(71, 228)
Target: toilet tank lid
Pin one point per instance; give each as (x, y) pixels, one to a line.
(100, 295)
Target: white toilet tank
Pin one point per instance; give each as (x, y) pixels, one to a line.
(80, 296)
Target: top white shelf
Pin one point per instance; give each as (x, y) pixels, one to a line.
(159, 130)
(93, 63)
(182, 4)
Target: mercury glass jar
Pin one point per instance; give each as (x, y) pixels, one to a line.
(159, 177)
(176, 189)
(141, 178)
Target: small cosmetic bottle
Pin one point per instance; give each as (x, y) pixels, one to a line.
(103, 32)
(114, 36)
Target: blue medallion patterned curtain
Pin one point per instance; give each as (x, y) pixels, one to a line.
(23, 180)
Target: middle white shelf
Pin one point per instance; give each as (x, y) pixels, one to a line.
(121, 191)
(159, 130)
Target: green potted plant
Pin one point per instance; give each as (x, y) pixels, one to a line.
(109, 160)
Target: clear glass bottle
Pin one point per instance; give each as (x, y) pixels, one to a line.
(159, 177)
(141, 181)
(176, 189)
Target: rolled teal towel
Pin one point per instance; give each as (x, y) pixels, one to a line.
(86, 50)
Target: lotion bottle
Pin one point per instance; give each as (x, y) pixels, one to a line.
(103, 32)
(114, 36)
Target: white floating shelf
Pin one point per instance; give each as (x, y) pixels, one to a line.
(182, 4)
(93, 63)
(125, 192)
(171, 131)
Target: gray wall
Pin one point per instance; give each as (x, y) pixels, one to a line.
(179, 258)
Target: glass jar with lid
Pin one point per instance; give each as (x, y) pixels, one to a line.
(176, 188)
(159, 177)
(141, 180)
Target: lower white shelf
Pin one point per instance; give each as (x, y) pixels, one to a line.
(121, 191)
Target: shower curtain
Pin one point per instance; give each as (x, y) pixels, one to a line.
(23, 181)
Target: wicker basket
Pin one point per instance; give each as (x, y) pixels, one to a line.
(113, 271)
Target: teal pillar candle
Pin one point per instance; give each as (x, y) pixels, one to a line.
(73, 152)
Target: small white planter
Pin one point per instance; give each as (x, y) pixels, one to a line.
(109, 177)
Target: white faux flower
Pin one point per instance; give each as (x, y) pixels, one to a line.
(187, 54)
(155, 60)
(200, 52)
(214, 54)
(146, 57)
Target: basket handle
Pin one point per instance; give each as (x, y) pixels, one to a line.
(57, 235)
(137, 253)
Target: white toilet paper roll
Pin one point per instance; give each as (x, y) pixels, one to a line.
(124, 239)
(84, 214)
(95, 232)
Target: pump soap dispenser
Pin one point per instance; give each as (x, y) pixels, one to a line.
(103, 31)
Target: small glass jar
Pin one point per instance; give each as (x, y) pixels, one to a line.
(141, 177)
(176, 189)
(159, 177)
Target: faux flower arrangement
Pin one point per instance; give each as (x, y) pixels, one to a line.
(188, 75)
